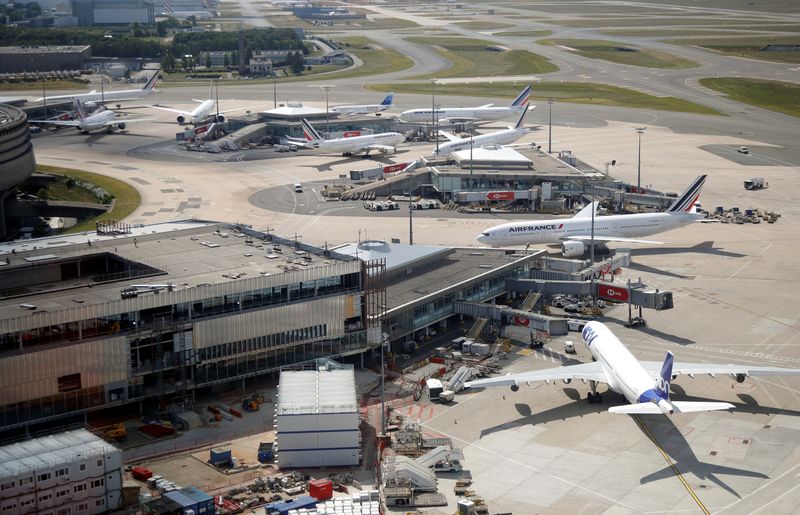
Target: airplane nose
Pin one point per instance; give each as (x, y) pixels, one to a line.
(483, 238)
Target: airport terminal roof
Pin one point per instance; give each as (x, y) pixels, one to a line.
(543, 166)
(494, 155)
(325, 390)
(48, 451)
(397, 256)
(295, 111)
(39, 49)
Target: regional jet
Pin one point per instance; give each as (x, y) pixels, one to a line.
(103, 118)
(366, 108)
(385, 142)
(645, 384)
(103, 97)
(574, 234)
(484, 113)
(503, 137)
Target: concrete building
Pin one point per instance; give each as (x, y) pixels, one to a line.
(317, 417)
(147, 315)
(17, 162)
(113, 12)
(43, 58)
(216, 59)
(68, 473)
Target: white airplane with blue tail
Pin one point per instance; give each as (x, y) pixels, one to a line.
(645, 384)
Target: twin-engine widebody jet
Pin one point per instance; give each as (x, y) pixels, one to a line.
(384, 142)
(484, 113)
(104, 97)
(503, 137)
(102, 119)
(366, 108)
(645, 384)
(574, 234)
(201, 114)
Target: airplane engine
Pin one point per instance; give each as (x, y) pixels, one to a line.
(388, 151)
(567, 380)
(121, 125)
(220, 118)
(514, 388)
(740, 378)
(181, 119)
(573, 248)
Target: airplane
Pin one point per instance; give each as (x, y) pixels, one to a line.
(503, 137)
(574, 233)
(484, 113)
(644, 384)
(93, 97)
(102, 119)
(384, 142)
(367, 108)
(200, 15)
(199, 114)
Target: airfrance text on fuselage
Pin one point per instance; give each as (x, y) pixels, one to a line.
(548, 227)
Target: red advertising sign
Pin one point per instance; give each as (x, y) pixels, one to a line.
(521, 321)
(615, 293)
(394, 168)
(500, 195)
(201, 129)
(350, 134)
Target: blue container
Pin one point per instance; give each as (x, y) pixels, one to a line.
(220, 456)
(283, 507)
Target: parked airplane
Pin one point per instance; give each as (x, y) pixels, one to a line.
(384, 142)
(503, 137)
(200, 114)
(102, 119)
(645, 384)
(200, 15)
(574, 233)
(367, 108)
(484, 113)
(93, 97)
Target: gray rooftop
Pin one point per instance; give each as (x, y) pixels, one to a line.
(27, 456)
(492, 162)
(39, 49)
(397, 256)
(325, 390)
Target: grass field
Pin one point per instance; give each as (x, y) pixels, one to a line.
(749, 47)
(620, 53)
(483, 25)
(573, 92)
(376, 61)
(284, 21)
(471, 57)
(127, 199)
(657, 22)
(525, 33)
(672, 33)
(783, 97)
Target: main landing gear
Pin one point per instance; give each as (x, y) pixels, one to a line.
(594, 396)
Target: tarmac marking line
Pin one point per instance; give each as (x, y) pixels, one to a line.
(671, 463)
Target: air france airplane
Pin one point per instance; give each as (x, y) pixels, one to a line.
(366, 108)
(93, 97)
(101, 119)
(645, 384)
(200, 114)
(484, 113)
(503, 137)
(574, 233)
(384, 142)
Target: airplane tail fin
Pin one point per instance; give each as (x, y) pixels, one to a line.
(665, 377)
(686, 201)
(521, 122)
(586, 212)
(150, 85)
(309, 131)
(522, 98)
(649, 408)
(388, 100)
(168, 8)
(79, 109)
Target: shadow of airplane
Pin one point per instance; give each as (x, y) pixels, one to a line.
(362, 159)
(669, 438)
(649, 331)
(705, 247)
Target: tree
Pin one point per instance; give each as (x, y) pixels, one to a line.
(296, 63)
(208, 59)
(227, 58)
(161, 29)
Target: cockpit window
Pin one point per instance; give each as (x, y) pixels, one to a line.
(484, 234)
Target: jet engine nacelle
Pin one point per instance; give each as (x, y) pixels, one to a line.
(514, 388)
(121, 125)
(181, 119)
(573, 248)
(567, 380)
(219, 118)
(388, 151)
(740, 378)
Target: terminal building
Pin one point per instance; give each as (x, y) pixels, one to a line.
(17, 162)
(15, 59)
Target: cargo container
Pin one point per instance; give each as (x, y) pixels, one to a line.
(221, 457)
(321, 489)
(434, 387)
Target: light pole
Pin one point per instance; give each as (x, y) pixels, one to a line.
(436, 127)
(639, 131)
(550, 126)
(274, 91)
(410, 221)
(327, 88)
(434, 118)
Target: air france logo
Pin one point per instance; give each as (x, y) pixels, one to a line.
(661, 385)
(588, 335)
(531, 228)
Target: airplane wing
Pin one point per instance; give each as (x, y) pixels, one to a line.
(585, 371)
(179, 111)
(66, 123)
(385, 149)
(126, 120)
(654, 367)
(449, 136)
(649, 408)
(588, 237)
(485, 105)
(237, 109)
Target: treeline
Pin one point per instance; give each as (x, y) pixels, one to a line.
(131, 46)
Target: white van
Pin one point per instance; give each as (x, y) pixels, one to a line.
(569, 347)
(298, 188)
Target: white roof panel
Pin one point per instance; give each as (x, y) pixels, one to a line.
(307, 392)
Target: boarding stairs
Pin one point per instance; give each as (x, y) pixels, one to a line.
(530, 301)
(462, 375)
(399, 470)
(477, 327)
(451, 456)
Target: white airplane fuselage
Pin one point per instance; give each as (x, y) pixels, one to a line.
(97, 121)
(200, 114)
(361, 109)
(356, 143)
(560, 229)
(503, 137)
(484, 114)
(108, 96)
